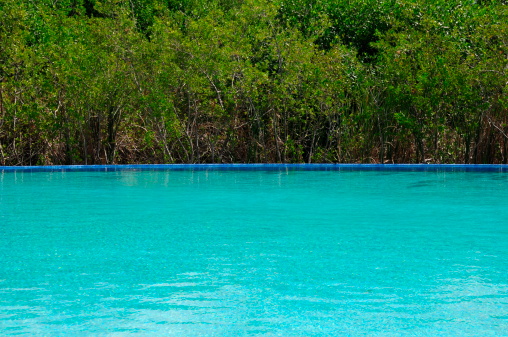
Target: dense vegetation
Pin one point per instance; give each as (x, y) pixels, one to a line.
(215, 81)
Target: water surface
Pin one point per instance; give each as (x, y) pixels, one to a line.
(253, 253)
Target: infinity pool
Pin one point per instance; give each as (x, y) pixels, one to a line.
(254, 253)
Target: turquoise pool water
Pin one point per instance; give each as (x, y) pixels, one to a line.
(254, 253)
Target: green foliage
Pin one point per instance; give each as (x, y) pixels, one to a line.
(89, 81)
(354, 23)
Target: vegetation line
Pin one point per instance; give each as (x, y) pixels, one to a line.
(250, 81)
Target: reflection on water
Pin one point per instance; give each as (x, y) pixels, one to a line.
(249, 253)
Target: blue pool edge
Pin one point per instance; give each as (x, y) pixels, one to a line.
(262, 167)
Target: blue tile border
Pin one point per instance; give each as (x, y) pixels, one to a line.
(260, 167)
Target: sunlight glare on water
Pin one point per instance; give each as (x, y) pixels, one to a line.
(254, 253)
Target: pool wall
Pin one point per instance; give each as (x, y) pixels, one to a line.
(261, 167)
